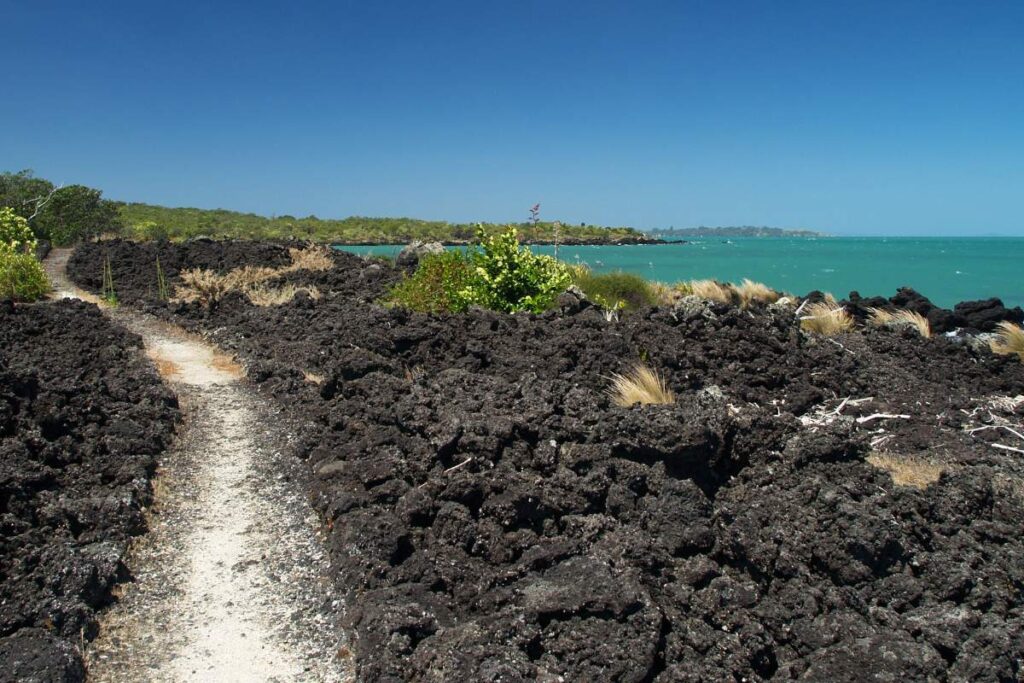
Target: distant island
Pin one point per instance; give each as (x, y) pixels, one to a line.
(148, 221)
(736, 231)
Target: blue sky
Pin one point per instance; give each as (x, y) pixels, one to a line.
(856, 118)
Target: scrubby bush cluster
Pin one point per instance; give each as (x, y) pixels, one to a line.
(498, 274)
(62, 215)
(21, 275)
(615, 290)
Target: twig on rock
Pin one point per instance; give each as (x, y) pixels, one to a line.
(1008, 448)
(455, 467)
(1012, 431)
(881, 416)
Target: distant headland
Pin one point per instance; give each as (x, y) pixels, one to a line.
(736, 231)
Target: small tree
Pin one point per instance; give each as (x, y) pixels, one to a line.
(508, 277)
(15, 234)
(77, 213)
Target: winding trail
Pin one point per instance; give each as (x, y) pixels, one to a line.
(231, 579)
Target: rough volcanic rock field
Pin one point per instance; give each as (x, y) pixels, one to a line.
(809, 509)
(83, 416)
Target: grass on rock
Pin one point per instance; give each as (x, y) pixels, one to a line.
(640, 384)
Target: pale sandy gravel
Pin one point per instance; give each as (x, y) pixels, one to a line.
(230, 580)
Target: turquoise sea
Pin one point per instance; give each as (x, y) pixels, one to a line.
(945, 269)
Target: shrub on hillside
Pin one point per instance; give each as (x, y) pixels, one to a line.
(437, 285)
(76, 213)
(611, 288)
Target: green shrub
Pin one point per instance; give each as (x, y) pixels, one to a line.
(508, 277)
(437, 285)
(15, 234)
(611, 288)
(21, 276)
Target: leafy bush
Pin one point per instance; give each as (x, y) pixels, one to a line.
(21, 276)
(508, 277)
(15, 234)
(77, 213)
(498, 274)
(438, 284)
(609, 289)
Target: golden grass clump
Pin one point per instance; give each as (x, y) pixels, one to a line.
(262, 295)
(749, 292)
(310, 258)
(642, 385)
(879, 317)
(915, 320)
(664, 294)
(710, 290)
(822, 318)
(202, 285)
(1009, 340)
(907, 471)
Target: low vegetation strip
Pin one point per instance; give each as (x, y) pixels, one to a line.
(802, 507)
(83, 417)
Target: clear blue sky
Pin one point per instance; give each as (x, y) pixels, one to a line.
(853, 117)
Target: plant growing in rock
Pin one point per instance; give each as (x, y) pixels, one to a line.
(620, 290)
(437, 285)
(107, 293)
(1009, 340)
(509, 277)
(640, 384)
(825, 319)
(21, 275)
(161, 282)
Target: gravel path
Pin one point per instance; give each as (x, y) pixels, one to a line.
(230, 582)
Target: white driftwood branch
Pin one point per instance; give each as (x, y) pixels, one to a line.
(881, 416)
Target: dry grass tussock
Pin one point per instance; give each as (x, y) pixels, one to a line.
(907, 471)
(879, 317)
(640, 384)
(665, 294)
(710, 290)
(1009, 340)
(264, 295)
(749, 292)
(207, 286)
(826, 319)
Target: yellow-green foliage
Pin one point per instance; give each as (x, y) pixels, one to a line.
(822, 318)
(509, 277)
(1009, 340)
(609, 289)
(640, 384)
(22, 277)
(15, 234)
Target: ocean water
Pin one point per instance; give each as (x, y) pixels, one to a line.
(945, 269)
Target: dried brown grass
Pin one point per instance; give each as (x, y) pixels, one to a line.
(711, 290)
(207, 287)
(310, 258)
(642, 385)
(826, 319)
(1009, 340)
(879, 317)
(907, 470)
(263, 295)
(748, 292)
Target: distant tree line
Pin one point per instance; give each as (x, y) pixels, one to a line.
(62, 215)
